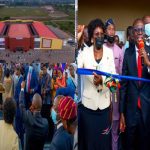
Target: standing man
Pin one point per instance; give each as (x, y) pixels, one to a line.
(118, 59)
(36, 127)
(46, 99)
(18, 119)
(31, 85)
(46, 86)
(135, 95)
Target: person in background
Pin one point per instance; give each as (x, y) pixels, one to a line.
(110, 30)
(15, 79)
(50, 69)
(31, 85)
(129, 37)
(83, 41)
(1, 78)
(40, 82)
(46, 99)
(46, 86)
(67, 110)
(36, 67)
(146, 20)
(71, 85)
(94, 110)
(62, 140)
(72, 80)
(8, 137)
(36, 127)
(60, 80)
(18, 119)
(53, 81)
(8, 85)
(121, 45)
(116, 40)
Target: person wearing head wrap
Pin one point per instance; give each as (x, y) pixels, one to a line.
(110, 30)
(67, 110)
(62, 140)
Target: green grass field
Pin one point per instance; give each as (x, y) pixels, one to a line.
(22, 11)
(36, 12)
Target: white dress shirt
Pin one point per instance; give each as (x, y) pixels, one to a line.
(91, 98)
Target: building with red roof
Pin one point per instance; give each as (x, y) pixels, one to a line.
(23, 36)
(2, 25)
(43, 30)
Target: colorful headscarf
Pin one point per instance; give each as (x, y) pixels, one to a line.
(109, 22)
(67, 108)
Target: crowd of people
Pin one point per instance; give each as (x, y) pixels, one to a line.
(114, 120)
(32, 113)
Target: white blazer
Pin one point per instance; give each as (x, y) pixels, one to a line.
(91, 98)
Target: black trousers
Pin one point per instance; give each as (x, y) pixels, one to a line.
(94, 129)
(46, 113)
(1, 100)
(136, 134)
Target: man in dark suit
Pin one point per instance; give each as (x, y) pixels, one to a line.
(36, 127)
(135, 95)
(31, 84)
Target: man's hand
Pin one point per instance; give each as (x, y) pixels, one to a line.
(122, 123)
(97, 79)
(143, 54)
(23, 84)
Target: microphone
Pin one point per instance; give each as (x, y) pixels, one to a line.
(141, 46)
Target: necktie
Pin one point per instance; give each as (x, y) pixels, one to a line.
(139, 75)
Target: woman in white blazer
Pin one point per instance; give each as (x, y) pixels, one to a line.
(94, 111)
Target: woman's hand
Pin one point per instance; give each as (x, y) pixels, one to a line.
(122, 123)
(97, 79)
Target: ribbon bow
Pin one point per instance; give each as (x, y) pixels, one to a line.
(112, 83)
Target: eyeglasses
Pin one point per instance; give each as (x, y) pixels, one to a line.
(138, 30)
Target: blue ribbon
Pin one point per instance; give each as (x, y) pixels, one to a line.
(83, 71)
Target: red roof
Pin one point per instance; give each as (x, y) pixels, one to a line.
(19, 31)
(43, 30)
(1, 26)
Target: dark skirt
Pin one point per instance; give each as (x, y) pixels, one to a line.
(1, 100)
(94, 131)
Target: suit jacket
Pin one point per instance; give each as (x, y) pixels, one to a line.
(36, 127)
(33, 81)
(91, 98)
(131, 90)
(62, 140)
(18, 89)
(46, 85)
